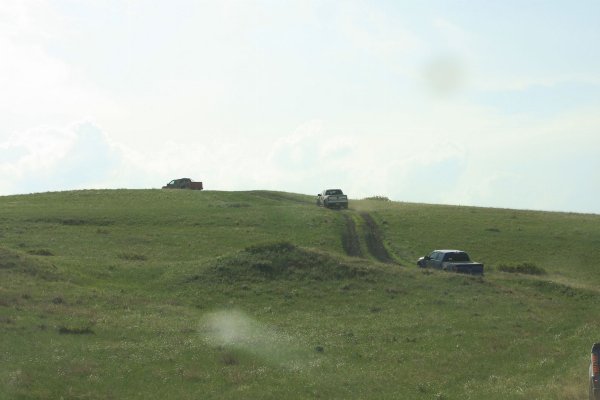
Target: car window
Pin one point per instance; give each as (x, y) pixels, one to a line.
(456, 257)
(461, 257)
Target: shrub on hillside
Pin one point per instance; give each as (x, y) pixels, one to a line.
(40, 252)
(275, 247)
(132, 257)
(523, 268)
(284, 260)
(21, 263)
(379, 198)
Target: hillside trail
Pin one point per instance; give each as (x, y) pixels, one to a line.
(350, 238)
(369, 232)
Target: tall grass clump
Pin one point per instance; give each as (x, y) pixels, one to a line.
(377, 198)
(522, 268)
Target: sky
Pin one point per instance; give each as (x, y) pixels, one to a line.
(480, 103)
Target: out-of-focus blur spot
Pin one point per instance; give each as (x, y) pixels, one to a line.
(232, 329)
(445, 74)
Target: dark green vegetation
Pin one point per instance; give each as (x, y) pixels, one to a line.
(185, 294)
(523, 268)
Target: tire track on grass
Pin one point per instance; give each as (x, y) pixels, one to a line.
(374, 239)
(351, 240)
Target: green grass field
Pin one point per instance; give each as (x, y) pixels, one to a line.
(139, 294)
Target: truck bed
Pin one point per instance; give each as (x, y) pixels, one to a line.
(465, 268)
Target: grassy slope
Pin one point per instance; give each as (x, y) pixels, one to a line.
(148, 294)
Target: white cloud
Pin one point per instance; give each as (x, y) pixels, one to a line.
(548, 164)
(525, 169)
(28, 20)
(375, 32)
(452, 36)
(38, 87)
(47, 159)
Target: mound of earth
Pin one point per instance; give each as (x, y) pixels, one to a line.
(283, 260)
(12, 261)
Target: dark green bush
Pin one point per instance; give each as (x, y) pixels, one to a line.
(40, 252)
(523, 268)
(379, 198)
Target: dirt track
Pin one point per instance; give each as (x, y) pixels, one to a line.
(372, 237)
(350, 239)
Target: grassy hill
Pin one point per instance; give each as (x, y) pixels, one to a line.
(236, 295)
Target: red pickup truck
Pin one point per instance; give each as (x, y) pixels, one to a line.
(183, 183)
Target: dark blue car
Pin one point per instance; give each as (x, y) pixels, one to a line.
(451, 260)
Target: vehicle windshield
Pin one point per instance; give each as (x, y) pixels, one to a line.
(335, 191)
